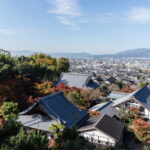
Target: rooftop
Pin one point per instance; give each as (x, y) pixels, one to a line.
(141, 95)
(36, 121)
(104, 123)
(58, 108)
(105, 108)
(77, 80)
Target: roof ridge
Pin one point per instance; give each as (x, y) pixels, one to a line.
(101, 116)
(107, 103)
(51, 95)
(87, 81)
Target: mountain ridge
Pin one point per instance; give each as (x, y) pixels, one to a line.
(140, 52)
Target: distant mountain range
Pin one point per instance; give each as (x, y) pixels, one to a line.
(141, 52)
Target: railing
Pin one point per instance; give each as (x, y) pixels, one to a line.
(98, 139)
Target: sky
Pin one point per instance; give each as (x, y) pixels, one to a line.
(91, 26)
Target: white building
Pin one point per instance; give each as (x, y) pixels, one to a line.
(103, 130)
(139, 99)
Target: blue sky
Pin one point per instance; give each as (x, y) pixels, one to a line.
(93, 26)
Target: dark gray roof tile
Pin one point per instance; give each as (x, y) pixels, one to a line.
(111, 127)
(105, 124)
(77, 80)
(58, 107)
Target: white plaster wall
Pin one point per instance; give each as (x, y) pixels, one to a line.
(136, 105)
(147, 113)
(98, 135)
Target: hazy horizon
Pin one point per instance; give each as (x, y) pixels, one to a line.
(49, 52)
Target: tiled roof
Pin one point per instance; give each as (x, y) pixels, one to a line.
(111, 127)
(57, 107)
(104, 123)
(111, 80)
(90, 123)
(36, 121)
(141, 95)
(105, 108)
(77, 80)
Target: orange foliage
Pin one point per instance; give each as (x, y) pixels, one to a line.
(127, 89)
(93, 113)
(133, 113)
(44, 88)
(65, 88)
(31, 100)
(90, 95)
(141, 129)
(46, 61)
(17, 90)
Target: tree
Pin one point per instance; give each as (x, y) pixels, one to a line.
(104, 89)
(90, 95)
(69, 139)
(35, 140)
(62, 65)
(56, 129)
(8, 129)
(44, 88)
(6, 66)
(75, 98)
(2, 51)
(9, 110)
(114, 87)
(127, 89)
(128, 115)
(141, 130)
(123, 115)
(133, 113)
(142, 84)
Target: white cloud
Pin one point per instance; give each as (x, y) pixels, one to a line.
(68, 12)
(7, 31)
(65, 7)
(139, 15)
(66, 21)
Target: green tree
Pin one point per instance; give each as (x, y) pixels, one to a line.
(34, 140)
(123, 115)
(2, 51)
(75, 98)
(69, 139)
(142, 84)
(9, 110)
(62, 65)
(8, 129)
(7, 64)
(56, 129)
